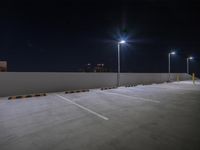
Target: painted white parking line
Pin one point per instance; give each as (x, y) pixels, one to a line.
(82, 107)
(132, 97)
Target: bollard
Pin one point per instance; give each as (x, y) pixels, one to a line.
(193, 78)
(177, 78)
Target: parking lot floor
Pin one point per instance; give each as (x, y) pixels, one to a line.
(145, 117)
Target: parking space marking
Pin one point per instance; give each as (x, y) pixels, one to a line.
(133, 97)
(82, 107)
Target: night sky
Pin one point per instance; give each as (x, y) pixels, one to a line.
(65, 35)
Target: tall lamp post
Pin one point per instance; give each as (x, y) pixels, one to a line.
(118, 70)
(169, 63)
(188, 63)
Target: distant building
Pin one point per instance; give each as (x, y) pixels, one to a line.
(100, 68)
(94, 68)
(3, 66)
(88, 68)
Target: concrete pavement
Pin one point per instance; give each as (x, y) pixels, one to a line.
(154, 117)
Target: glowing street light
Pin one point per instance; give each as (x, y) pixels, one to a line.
(173, 53)
(169, 58)
(118, 72)
(188, 61)
(122, 41)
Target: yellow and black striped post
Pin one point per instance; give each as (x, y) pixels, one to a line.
(193, 78)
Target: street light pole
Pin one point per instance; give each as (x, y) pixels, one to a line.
(118, 60)
(169, 64)
(118, 71)
(188, 64)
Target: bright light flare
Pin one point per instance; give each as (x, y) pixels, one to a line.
(190, 57)
(173, 53)
(122, 42)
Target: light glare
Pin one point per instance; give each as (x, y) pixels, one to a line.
(173, 53)
(190, 58)
(121, 42)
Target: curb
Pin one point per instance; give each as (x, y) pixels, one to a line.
(26, 96)
(129, 85)
(76, 91)
(107, 88)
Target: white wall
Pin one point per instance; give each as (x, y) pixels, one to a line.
(148, 78)
(17, 83)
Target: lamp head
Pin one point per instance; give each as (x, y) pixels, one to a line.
(122, 42)
(173, 53)
(190, 57)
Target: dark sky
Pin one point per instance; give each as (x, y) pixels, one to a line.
(66, 35)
